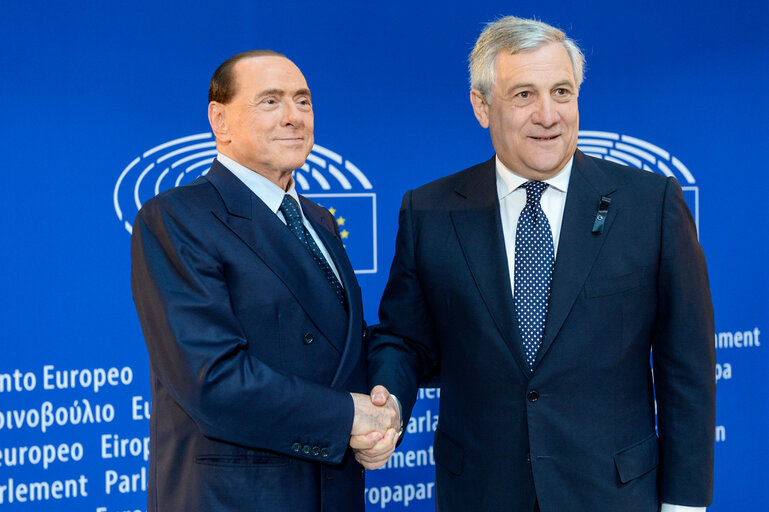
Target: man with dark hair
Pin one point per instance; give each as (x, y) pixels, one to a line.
(538, 284)
(253, 319)
(222, 86)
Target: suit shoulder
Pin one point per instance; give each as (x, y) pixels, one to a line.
(185, 204)
(632, 186)
(630, 176)
(448, 184)
(197, 194)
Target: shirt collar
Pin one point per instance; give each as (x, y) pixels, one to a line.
(267, 191)
(508, 181)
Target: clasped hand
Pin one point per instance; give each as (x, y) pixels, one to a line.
(375, 427)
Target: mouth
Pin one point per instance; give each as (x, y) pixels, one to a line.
(545, 138)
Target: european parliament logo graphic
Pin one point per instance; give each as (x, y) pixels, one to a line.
(326, 177)
(638, 153)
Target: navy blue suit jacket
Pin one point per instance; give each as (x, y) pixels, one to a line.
(578, 431)
(252, 357)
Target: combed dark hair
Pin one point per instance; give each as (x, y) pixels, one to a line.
(222, 87)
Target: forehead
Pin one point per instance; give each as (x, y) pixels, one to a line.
(545, 65)
(255, 74)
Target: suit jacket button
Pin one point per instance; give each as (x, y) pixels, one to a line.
(296, 447)
(533, 395)
(306, 449)
(315, 451)
(308, 338)
(324, 453)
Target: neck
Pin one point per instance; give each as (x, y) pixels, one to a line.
(282, 178)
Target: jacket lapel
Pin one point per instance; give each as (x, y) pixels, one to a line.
(353, 339)
(479, 228)
(578, 246)
(259, 228)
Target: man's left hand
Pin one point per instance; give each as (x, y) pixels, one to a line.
(372, 450)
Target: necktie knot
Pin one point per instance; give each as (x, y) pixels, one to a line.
(534, 190)
(290, 209)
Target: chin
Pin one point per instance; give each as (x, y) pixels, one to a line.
(295, 160)
(548, 166)
(542, 168)
(296, 164)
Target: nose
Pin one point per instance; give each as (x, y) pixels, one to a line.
(291, 114)
(545, 112)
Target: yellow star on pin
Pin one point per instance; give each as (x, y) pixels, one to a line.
(345, 233)
(340, 221)
(332, 211)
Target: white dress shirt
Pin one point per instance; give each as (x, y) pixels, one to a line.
(272, 196)
(512, 199)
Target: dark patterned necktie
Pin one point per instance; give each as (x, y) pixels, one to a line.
(533, 270)
(290, 211)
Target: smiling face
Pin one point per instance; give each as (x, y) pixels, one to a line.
(267, 126)
(533, 117)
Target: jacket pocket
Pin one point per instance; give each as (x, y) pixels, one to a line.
(448, 453)
(600, 287)
(637, 459)
(255, 459)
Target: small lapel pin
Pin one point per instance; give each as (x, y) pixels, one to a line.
(600, 216)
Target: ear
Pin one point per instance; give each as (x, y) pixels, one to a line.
(480, 107)
(218, 121)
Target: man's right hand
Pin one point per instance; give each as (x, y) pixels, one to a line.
(375, 427)
(375, 413)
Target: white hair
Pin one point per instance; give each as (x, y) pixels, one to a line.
(516, 35)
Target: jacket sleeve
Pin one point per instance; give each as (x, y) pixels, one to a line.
(684, 359)
(403, 350)
(198, 349)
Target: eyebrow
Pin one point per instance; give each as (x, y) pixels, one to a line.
(281, 92)
(519, 86)
(564, 82)
(531, 85)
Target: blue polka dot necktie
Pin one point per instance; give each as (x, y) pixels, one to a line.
(533, 270)
(293, 217)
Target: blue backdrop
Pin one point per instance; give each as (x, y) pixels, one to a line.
(105, 102)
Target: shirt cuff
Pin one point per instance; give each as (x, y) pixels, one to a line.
(667, 507)
(400, 414)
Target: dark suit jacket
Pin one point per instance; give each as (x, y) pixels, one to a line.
(252, 357)
(578, 432)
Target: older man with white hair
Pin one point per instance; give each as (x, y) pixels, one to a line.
(538, 284)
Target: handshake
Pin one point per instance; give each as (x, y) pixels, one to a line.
(375, 427)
